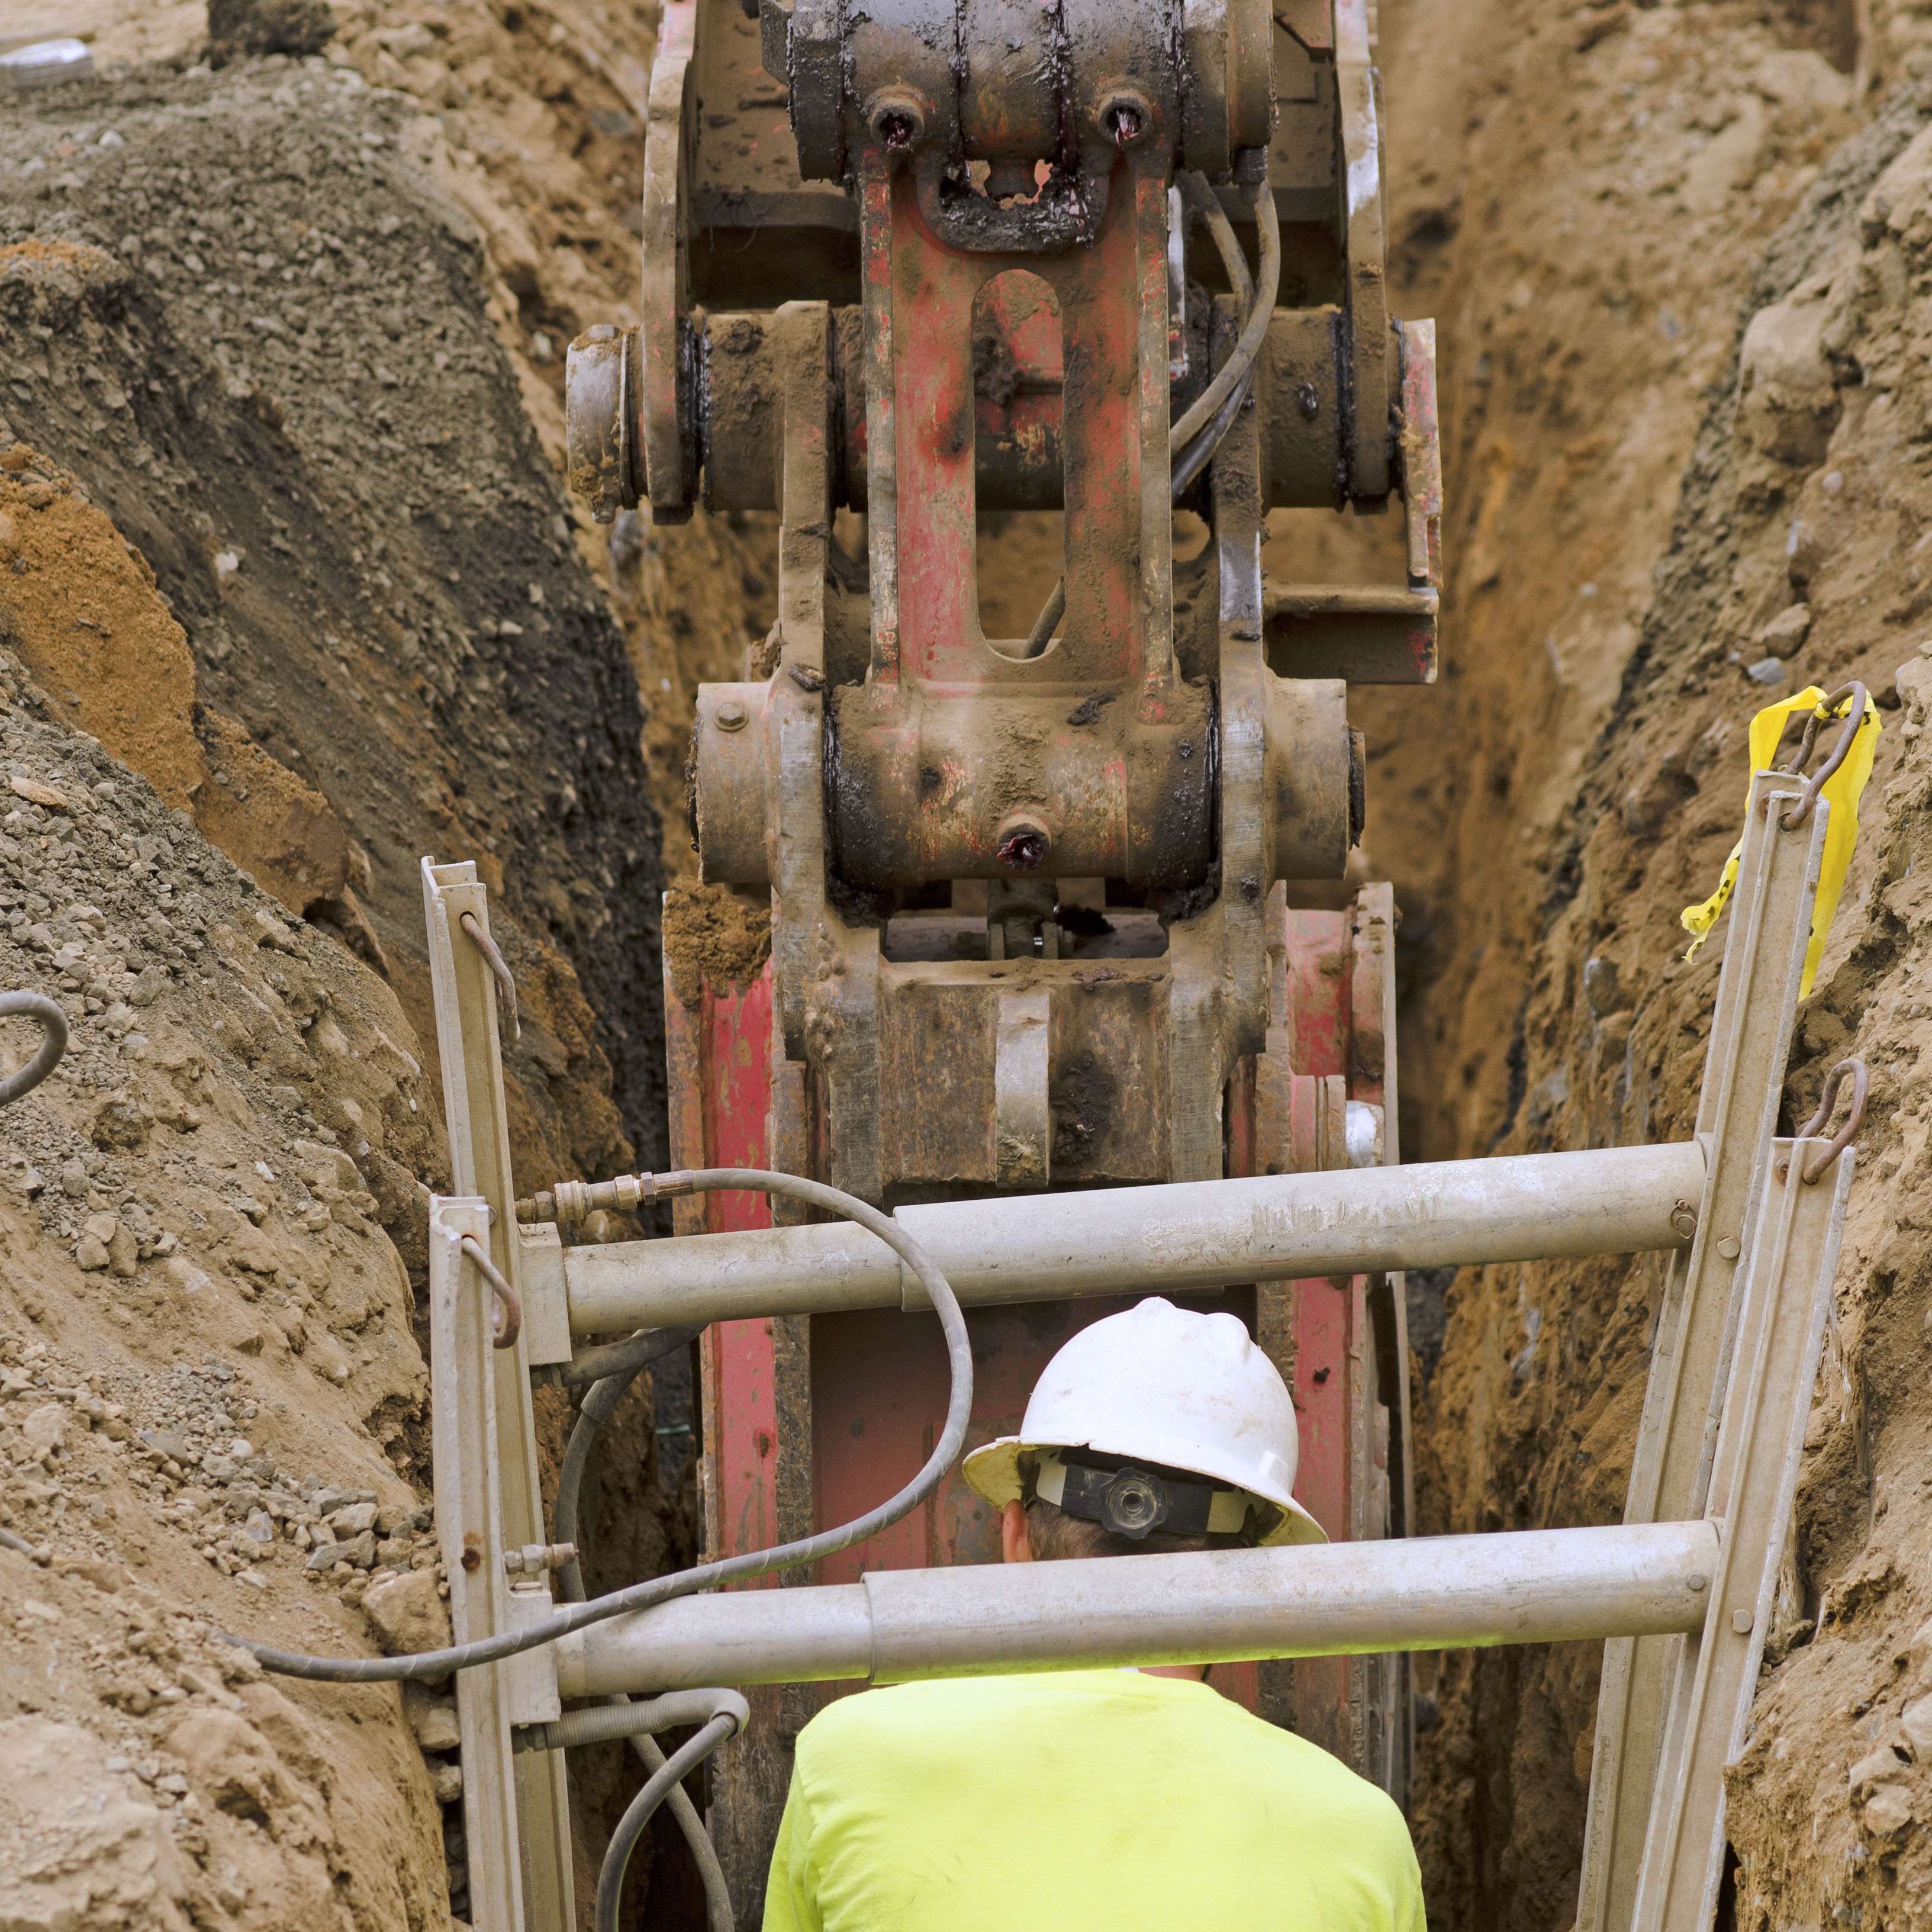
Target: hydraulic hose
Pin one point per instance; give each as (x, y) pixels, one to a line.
(630, 1827)
(435, 1663)
(1240, 364)
(618, 1717)
(600, 1404)
(1197, 433)
(53, 1026)
(635, 1351)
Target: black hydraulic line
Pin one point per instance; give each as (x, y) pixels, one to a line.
(600, 1404)
(53, 1026)
(1044, 625)
(1198, 440)
(1193, 460)
(635, 1351)
(618, 1717)
(1204, 206)
(435, 1663)
(1197, 432)
(630, 1827)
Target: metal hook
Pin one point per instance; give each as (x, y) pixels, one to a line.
(506, 986)
(1808, 797)
(503, 1331)
(1813, 1170)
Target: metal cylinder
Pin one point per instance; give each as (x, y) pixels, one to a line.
(730, 757)
(1309, 772)
(1184, 1238)
(1300, 393)
(1009, 109)
(927, 787)
(1344, 1599)
(603, 435)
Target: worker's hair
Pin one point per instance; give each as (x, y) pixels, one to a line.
(1052, 1533)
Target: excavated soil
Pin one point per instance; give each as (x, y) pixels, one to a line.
(279, 538)
(295, 407)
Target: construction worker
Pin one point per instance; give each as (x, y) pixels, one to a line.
(1101, 1800)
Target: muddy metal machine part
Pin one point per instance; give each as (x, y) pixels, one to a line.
(1686, 1590)
(1034, 899)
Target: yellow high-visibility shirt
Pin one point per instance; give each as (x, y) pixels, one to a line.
(1092, 1801)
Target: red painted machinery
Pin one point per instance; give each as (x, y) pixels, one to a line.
(1033, 900)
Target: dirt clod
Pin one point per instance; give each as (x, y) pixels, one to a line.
(713, 934)
(239, 27)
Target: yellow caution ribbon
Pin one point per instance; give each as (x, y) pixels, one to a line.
(1841, 791)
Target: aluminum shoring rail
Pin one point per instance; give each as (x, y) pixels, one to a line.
(1769, 923)
(1432, 1593)
(488, 1500)
(1180, 1238)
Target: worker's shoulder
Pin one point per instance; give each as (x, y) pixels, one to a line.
(1095, 1710)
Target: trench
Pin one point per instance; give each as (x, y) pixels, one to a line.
(1676, 256)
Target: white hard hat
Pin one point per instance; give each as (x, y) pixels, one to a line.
(1158, 1385)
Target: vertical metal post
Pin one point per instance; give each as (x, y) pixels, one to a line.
(1770, 921)
(487, 1391)
(462, 1428)
(1780, 1328)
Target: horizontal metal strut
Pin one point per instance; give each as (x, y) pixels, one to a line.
(1429, 1593)
(1181, 1238)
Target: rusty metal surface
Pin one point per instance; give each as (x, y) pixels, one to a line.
(988, 182)
(718, 1050)
(668, 135)
(930, 789)
(603, 428)
(1338, 1343)
(1017, 375)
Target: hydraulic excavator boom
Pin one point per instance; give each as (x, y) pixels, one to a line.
(1032, 898)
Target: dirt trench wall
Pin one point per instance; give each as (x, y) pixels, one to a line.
(339, 616)
(242, 313)
(1796, 548)
(205, 1354)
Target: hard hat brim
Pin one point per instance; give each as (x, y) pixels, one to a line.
(993, 1472)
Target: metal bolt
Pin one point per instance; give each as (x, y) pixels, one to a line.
(731, 715)
(1125, 118)
(897, 122)
(1699, 1582)
(1741, 1621)
(1022, 841)
(1730, 1247)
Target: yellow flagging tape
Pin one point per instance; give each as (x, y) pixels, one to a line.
(1841, 792)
